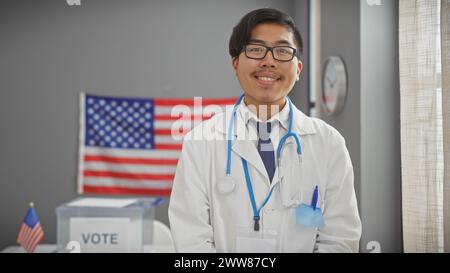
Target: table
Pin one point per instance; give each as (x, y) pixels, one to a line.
(50, 248)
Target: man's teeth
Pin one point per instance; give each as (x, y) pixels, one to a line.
(267, 79)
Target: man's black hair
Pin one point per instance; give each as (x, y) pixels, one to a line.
(242, 31)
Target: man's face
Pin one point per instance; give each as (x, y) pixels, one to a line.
(267, 81)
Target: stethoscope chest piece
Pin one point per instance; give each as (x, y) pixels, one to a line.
(226, 185)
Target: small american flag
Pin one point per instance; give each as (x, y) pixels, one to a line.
(31, 232)
(131, 145)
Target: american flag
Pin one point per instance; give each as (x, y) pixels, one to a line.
(131, 145)
(31, 232)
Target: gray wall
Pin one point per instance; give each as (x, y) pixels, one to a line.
(49, 52)
(366, 38)
(340, 37)
(380, 127)
(300, 94)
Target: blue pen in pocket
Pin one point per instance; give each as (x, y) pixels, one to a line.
(310, 215)
(314, 197)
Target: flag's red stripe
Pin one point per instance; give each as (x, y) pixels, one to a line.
(168, 132)
(190, 102)
(26, 234)
(29, 240)
(24, 239)
(35, 237)
(168, 146)
(132, 176)
(23, 229)
(182, 117)
(130, 160)
(124, 190)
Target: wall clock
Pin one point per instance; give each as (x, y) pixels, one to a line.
(334, 86)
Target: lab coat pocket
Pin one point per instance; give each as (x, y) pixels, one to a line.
(309, 212)
(309, 216)
(262, 241)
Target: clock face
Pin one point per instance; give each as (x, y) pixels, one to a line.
(334, 84)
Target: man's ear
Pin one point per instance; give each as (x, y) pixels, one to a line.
(299, 69)
(234, 63)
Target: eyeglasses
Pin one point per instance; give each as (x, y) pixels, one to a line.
(279, 53)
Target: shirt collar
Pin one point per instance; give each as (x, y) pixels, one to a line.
(282, 117)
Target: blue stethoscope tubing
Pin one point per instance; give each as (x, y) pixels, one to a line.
(256, 211)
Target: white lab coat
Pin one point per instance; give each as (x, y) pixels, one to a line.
(202, 219)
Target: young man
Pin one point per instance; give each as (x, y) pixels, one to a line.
(284, 183)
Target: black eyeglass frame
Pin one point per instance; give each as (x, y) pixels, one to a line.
(268, 48)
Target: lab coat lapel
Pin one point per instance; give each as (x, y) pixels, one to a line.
(245, 147)
(302, 124)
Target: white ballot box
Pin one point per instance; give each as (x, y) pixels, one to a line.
(105, 225)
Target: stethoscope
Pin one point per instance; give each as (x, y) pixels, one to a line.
(228, 183)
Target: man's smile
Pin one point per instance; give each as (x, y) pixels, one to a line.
(266, 78)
